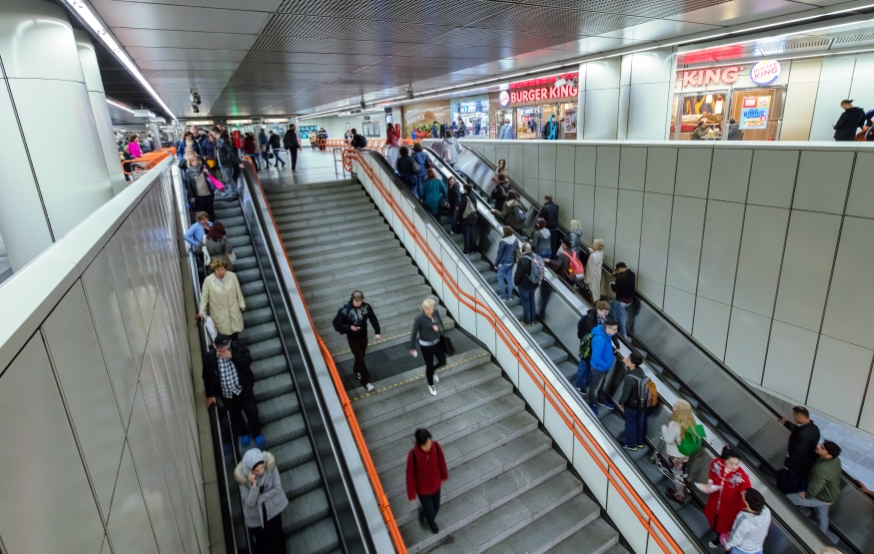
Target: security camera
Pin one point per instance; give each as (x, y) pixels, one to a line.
(409, 91)
(363, 105)
(195, 97)
(195, 109)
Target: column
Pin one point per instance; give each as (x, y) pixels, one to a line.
(54, 171)
(94, 83)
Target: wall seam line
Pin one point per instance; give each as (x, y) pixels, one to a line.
(703, 232)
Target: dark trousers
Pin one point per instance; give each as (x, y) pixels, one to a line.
(359, 349)
(791, 482)
(467, 229)
(428, 355)
(453, 220)
(293, 153)
(205, 204)
(269, 539)
(529, 304)
(635, 426)
(430, 506)
(244, 402)
(554, 240)
(595, 385)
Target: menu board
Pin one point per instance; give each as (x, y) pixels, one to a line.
(570, 120)
(754, 112)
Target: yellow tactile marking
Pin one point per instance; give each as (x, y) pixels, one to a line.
(417, 377)
(372, 343)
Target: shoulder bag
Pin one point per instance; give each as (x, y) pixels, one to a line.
(446, 342)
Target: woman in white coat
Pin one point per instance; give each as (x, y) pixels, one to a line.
(593, 268)
(223, 299)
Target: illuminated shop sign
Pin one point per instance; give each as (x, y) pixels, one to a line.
(539, 94)
(766, 72)
(703, 77)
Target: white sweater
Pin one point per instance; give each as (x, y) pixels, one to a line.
(671, 434)
(749, 531)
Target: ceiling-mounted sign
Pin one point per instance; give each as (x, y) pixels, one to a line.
(504, 98)
(765, 72)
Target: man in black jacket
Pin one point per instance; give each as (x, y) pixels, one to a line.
(275, 147)
(549, 213)
(358, 141)
(526, 285)
(850, 120)
(623, 287)
(227, 372)
(351, 320)
(291, 142)
(630, 402)
(801, 454)
(467, 216)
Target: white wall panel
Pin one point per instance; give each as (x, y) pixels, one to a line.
(584, 165)
(605, 220)
(863, 69)
(693, 171)
(653, 290)
(772, 180)
(687, 231)
(790, 360)
(547, 187)
(564, 163)
(861, 200)
(129, 523)
(628, 219)
(648, 111)
(603, 74)
(811, 237)
(516, 162)
(607, 169)
(653, 66)
(838, 68)
(625, 71)
(840, 376)
(798, 110)
(850, 302)
(747, 344)
(564, 197)
(546, 156)
(661, 170)
(531, 153)
(761, 256)
(632, 168)
(711, 325)
(729, 174)
(719, 250)
(827, 109)
(41, 436)
(655, 236)
(680, 305)
(601, 115)
(622, 119)
(584, 210)
(862, 91)
(502, 152)
(823, 181)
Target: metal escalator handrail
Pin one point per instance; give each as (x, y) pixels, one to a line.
(346, 404)
(644, 515)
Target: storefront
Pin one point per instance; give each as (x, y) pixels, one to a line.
(538, 109)
(730, 102)
(474, 112)
(419, 118)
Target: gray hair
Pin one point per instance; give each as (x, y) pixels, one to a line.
(526, 248)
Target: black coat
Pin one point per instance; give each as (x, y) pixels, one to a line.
(549, 212)
(523, 270)
(226, 154)
(850, 120)
(242, 359)
(472, 218)
(275, 142)
(290, 140)
(801, 454)
(358, 141)
(189, 176)
(454, 196)
(349, 315)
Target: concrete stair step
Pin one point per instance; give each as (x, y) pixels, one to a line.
(401, 278)
(598, 537)
(408, 294)
(465, 448)
(323, 200)
(486, 500)
(389, 339)
(314, 189)
(475, 472)
(315, 266)
(351, 276)
(410, 307)
(388, 240)
(294, 236)
(414, 397)
(545, 533)
(353, 213)
(398, 286)
(393, 322)
(445, 408)
(285, 209)
(329, 239)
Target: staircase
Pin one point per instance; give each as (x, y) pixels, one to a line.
(307, 521)
(509, 489)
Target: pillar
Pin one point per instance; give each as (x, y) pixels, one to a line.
(94, 84)
(54, 171)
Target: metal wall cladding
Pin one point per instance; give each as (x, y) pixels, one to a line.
(761, 253)
(99, 402)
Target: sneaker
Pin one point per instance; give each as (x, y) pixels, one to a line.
(641, 446)
(259, 440)
(434, 528)
(358, 375)
(714, 543)
(436, 379)
(629, 448)
(432, 390)
(584, 391)
(369, 387)
(244, 441)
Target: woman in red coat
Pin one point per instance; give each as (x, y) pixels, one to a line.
(426, 470)
(726, 481)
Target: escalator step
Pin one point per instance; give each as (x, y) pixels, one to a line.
(272, 387)
(245, 263)
(247, 275)
(284, 430)
(319, 538)
(256, 301)
(305, 510)
(264, 368)
(300, 480)
(259, 333)
(293, 453)
(253, 317)
(266, 349)
(244, 251)
(244, 240)
(277, 408)
(544, 340)
(253, 288)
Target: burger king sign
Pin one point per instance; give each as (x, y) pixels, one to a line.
(765, 72)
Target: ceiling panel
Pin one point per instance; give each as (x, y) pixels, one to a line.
(156, 38)
(141, 54)
(183, 65)
(178, 18)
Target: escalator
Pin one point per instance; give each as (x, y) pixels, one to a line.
(509, 487)
(722, 400)
(559, 309)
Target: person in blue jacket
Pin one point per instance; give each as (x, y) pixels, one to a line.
(505, 261)
(194, 234)
(422, 159)
(433, 192)
(601, 361)
(435, 131)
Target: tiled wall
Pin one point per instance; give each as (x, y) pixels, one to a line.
(764, 252)
(99, 438)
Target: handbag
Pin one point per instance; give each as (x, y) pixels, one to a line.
(446, 342)
(215, 182)
(232, 257)
(416, 167)
(206, 257)
(210, 328)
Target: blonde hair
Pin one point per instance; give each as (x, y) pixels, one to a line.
(598, 244)
(191, 156)
(575, 225)
(217, 263)
(428, 303)
(682, 416)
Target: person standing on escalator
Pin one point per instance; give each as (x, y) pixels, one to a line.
(454, 198)
(263, 500)
(451, 149)
(601, 359)
(549, 212)
(540, 239)
(499, 193)
(624, 289)
(591, 319)
(351, 320)
(227, 373)
(467, 216)
(504, 261)
(801, 452)
(422, 162)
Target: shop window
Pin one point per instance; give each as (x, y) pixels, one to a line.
(756, 114)
(698, 116)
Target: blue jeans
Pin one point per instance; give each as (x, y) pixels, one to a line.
(818, 506)
(278, 159)
(505, 281)
(617, 310)
(265, 155)
(545, 253)
(635, 426)
(467, 229)
(529, 307)
(584, 374)
(736, 550)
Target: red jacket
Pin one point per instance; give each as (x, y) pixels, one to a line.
(249, 146)
(425, 471)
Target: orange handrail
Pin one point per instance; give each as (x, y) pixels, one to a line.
(147, 161)
(602, 460)
(381, 498)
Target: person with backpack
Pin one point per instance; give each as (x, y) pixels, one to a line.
(597, 347)
(540, 239)
(528, 276)
(229, 162)
(358, 141)
(467, 216)
(683, 438)
(499, 193)
(512, 211)
(566, 263)
(505, 261)
(575, 235)
(638, 394)
(426, 472)
(454, 198)
(351, 320)
(275, 146)
(591, 319)
(549, 213)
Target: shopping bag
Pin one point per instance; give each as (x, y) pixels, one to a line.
(209, 327)
(216, 183)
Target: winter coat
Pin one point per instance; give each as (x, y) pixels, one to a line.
(268, 494)
(801, 453)
(227, 154)
(629, 397)
(263, 141)
(671, 434)
(845, 128)
(358, 141)
(391, 137)
(506, 214)
(593, 273)
(275, 142)
(472, 218)
(507, 251)
(182, 149)
(454, 196)
(242, 359)
(549, 212)
(423, 328)
(435, 132)
(523, 270)
(433, 191)
(134, 149)
(724, 505)
(451, 150)
(499, 195)
(189, 179)
(575, 237)
(224, 301)
(249, 146)
(624, 286)
(219, 249)
(825, 480)
(750, 530)
(290, 141)
(207, 148)
(425, 471)
(589, 321)
(540, 241)
(349, 316)
(404, 166)
(422, 159)
(602, 350)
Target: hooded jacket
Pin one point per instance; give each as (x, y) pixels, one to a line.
(425, 471)
(507, 251)
(602, 350)
(268, 496)
(451, 149)
(845, 128)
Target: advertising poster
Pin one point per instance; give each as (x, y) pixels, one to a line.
(754, 112)
(423, 115)
(570, 120)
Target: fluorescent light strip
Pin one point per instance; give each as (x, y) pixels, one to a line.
(117, 105)
(90, 18)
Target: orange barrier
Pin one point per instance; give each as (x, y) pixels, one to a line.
(381, 498)
(147, 161)
(601, 458)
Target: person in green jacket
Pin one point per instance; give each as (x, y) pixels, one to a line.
(824, 484)
(433, 192)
